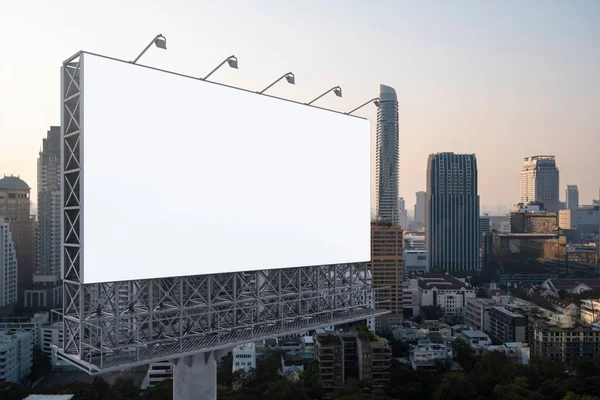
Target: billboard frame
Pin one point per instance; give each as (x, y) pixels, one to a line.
(113, 325)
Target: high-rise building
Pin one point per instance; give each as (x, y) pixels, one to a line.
(572, 197)
(452, 212)
(420, 207)
(47, 288)
(387, 157)
(8, 271)
(15, 206)
(402, 213)
(386, 270)
(539, 182)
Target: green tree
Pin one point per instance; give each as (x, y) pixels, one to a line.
(310, 380)
(494, 368)
(126, 388)
(513, 391)
(573, 396)
(399, 348)
(41, 365)
(284, 389)
(454, 386)
(432, 312)
(543, 369)
(12, 391)
(224, 371)
(162, 391)
(464, 354)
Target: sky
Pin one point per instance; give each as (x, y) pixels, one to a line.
(501, 79)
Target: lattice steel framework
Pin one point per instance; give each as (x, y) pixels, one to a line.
(108, 326)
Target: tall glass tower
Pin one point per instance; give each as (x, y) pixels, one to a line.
(539, 182)
(387, 157)
(452, 212)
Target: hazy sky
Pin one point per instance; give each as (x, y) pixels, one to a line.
(501, 79)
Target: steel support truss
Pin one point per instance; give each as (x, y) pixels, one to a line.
(109, 326)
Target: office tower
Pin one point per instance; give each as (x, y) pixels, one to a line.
(47, 288)
(452, 212)
(386, 269)
(539, 182)
(402, 213)
(15, 207)
(484, 226)
(387, 157)
(8, 271)
(572, 197)
(420, 207)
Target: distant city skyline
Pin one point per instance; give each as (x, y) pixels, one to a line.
(471, 77)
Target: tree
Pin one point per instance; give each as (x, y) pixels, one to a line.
(513, 391)
(310, 381)
(432, 312)
(494, 368)
(126, 388)
(12, 391)
(284, 389)
(162, 391)
(399, 348)
(456, 386)
(464, 354)
(543, 369)
(573, 396)
(41, 365)
(225, 371)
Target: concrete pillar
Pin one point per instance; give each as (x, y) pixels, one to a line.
(195, 377)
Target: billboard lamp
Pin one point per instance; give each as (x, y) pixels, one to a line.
(160, 41)
(288, 77)
(231, 60)
(337, 90)
(375, 101)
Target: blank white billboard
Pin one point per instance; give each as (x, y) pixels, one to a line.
(186, 177)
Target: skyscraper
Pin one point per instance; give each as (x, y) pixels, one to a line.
(420, 207)
(452, 212)
(539, 182)
(387, 157)
(8, 271)
(387, 248)
(402, 213)
(15, 206)
(47, 288)
(572, 198)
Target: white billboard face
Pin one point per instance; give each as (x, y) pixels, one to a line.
(185, 177)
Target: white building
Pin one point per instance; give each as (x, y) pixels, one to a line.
(425, 355)
(157, 372)
(478, 340)
(540, 182)
(244, 357)
(8, 269)
(516, 351)
(415, 262)
(16, 356)
(477, 313)
(410, 296)
(414, 241)
(590, 311)
(444, 291)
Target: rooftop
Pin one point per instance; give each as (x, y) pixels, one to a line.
(441, 281)
(11, 182)
(475, 334)
(560, 284)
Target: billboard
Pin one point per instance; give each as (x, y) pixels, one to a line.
(185, 177)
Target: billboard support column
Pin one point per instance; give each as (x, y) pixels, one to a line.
(195, 377)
